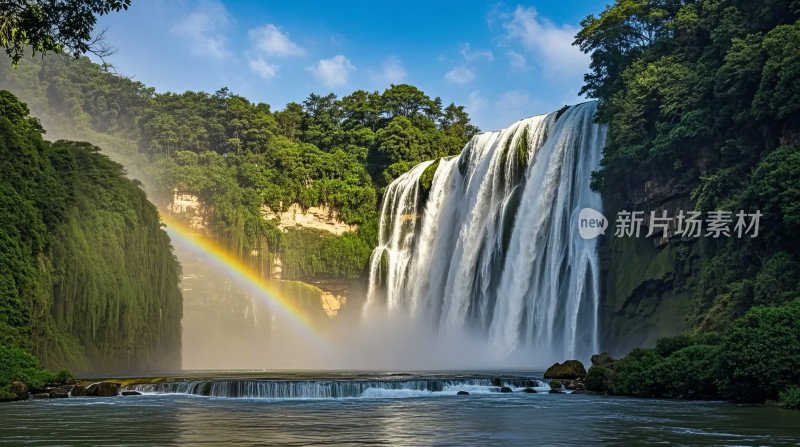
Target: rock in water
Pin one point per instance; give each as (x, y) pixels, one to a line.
(19, 390)
(78, 390)
(57, 393)
(505, 389)
(497, 382)
(529, 390)
(102, 389)
(136, 393)
(555, 391)
(571, 369)
(462, 393)
(530, 383)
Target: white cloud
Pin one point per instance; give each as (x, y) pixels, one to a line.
(392, 72)
(460, 75)
(516, 61)
(333, 72)
(206, 28)
(266, 70)
(475, 103)
(470, 55)
(516, 101)
(273, 41)
(550, 44)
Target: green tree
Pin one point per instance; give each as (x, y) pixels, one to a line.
(54, 26)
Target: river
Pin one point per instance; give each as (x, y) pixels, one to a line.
(390, 410)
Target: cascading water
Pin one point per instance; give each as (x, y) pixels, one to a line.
(335, 389)
(492, 243)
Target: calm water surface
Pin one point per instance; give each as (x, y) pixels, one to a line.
(396, 418)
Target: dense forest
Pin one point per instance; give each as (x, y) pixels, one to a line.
(702, 101)
(88, 279)
(237, 157)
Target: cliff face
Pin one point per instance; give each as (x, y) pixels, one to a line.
(647, 280)
(88, 279)
(318, 222)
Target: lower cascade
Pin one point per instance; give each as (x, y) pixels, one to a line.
(488, 240)
(334, 389)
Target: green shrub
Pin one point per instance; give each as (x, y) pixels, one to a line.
(691, 369)
(6, 394)
(18, 364)
(675, 367)
(62, 376)
(596, 379)
(790, 398)
(761, 354)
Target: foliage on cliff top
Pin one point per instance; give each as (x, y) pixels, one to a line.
(236, 155)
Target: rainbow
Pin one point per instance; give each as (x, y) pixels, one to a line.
(242, 274)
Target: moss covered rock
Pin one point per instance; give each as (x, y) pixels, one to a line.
(19, 391)
(571, 370)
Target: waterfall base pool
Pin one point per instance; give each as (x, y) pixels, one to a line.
(395, 415)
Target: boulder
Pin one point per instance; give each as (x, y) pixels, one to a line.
(40, 396)
(78, 390)
(57, 393)
(497, 382)
(571, 369)
(102, 389)
(528, 390)
(19, 391)
(460, 393)
(605, 360)
(576, 384)
(136, 393)
(556, 384)
(505, 389)
(530, 383)
(555, 391)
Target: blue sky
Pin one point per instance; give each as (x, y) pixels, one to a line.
(504, 61)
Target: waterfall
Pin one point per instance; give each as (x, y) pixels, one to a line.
(488, 240)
